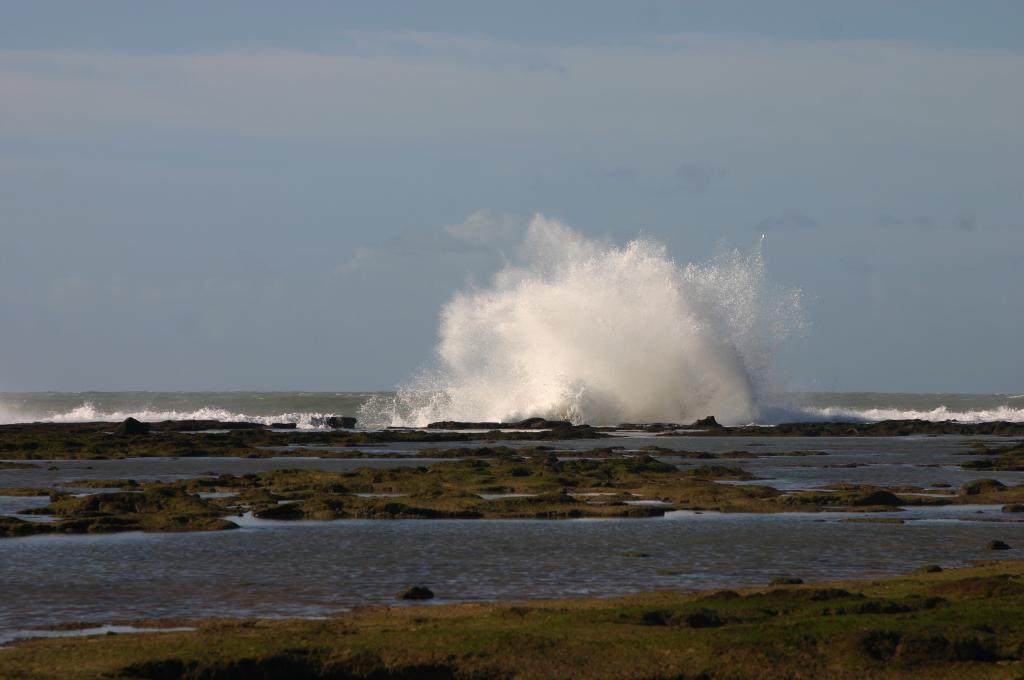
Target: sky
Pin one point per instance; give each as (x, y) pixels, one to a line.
(265, 195)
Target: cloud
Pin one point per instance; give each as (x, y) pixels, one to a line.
(695, 179)
(681, 92)
(360, 257)
(618, 174)
(791, 220)
(486, 228)
(924, 222)
(480, 233)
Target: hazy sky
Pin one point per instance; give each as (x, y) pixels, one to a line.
(266, 195)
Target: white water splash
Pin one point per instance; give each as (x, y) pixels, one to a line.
(594, 333)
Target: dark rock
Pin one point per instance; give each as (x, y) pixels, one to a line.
(283, 426)
(281, 511)
(200, 425)
(886, 498)
(786, 581)
(708, 423)
(1014, 507)
(416, 593)
(651, 427)
(980, 486)
(528, 424)
(997, 545)
(132, 426)
(340, 422)
(931, 569)
(539, 424)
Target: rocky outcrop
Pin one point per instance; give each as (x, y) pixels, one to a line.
(528, 424)
(130, 426)
(981, 486)
(335, 422)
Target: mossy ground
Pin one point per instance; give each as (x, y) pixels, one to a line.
(962, 624)
(98, 441)
(538, 486)
(1008, 457)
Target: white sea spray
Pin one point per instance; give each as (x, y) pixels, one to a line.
(591, 332)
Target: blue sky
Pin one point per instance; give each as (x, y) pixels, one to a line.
(249, 195)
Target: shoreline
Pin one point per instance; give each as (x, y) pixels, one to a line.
(932, 623)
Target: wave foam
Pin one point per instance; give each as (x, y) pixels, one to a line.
(88, 412)
(940, 413)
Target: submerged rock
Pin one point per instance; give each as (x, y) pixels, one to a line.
(997, 545)
(416, 593)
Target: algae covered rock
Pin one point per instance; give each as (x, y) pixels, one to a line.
(157, 508)
(720, 472)
(879, 497)
(13, 526)
(289, 511)
(981, 486)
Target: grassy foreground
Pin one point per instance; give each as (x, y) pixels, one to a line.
(966, 623)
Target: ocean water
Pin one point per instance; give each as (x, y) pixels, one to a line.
(304, 408)
(308, 568)
(301, 569)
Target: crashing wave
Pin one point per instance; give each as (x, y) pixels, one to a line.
(589, 332)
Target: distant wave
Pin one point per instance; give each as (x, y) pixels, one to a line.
(311, 420)
(88, 412)
(872, 415)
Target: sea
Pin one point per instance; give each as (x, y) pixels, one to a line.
(307, 409)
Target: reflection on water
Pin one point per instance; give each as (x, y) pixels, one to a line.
(81, 632)
(284, 569)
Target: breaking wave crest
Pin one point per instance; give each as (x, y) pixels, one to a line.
(938, 414)
(89, 412)
(589, 332)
